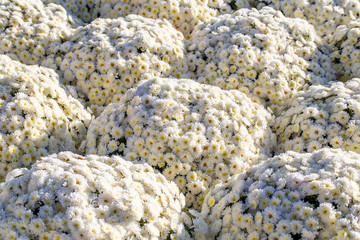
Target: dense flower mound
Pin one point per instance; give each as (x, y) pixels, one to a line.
(183, 14)
(346, 54)
(259, 51)
(291, 196)
(37, 116)
(29, 31)
(67, 196)
(194, 134)
(109, 56)
(201, 119)
(325, 16)
(320, 117)
(86, 10)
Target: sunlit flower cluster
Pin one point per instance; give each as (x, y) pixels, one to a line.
(30, 31)
(67, 196)
(109, 56)
(346, 50)
(86, 10)
(263, 52)
(323, 116)
(325, 16)
(179, 119)
(37, 116)
(195, 134)
(183, 14)
(291, 196)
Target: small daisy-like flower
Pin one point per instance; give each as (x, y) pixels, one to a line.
(42, 117)
(321, 117)
(142, 197)
(247, 54)
(187, 131)
(301, 212)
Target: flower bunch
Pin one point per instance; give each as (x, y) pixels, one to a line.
(30, 31)
(37, 116)
(195, 134)
(263, 52)
(291, 196)
(346, 50)
(183, 14)
(86, 10)
(67, 196)
(322, 116)
(109, 56)
(325, 16)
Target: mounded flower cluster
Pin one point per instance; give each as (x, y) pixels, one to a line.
(195, 134)
(109, 56)
(346, 54)
(262, 52)
(37, 116)
(30, 31)
(323, 116)
(291, 196)
(325, 16)
(67, 196)
(86, 10)
(202, 119)
(183, 14)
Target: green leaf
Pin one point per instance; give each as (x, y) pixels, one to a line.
(169, 235)
(345, 78)
(190, 230)
(141, 50)
(339, 43)
(142, 222)
(122, 140)
(161, 169)
(306, 36)
(351, 112)
(233, 6)
(313, 200)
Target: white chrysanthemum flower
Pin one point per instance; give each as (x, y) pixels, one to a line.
(317, 194)
(346, 54)
(325, 16)
(195, 134)
(37, 116)
(30, 31)
(322, 116)
(90, 197)
(107, 57)
(84, 10)
(183, 14)
(261, 52)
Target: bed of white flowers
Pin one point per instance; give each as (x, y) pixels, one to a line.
(179, 119)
